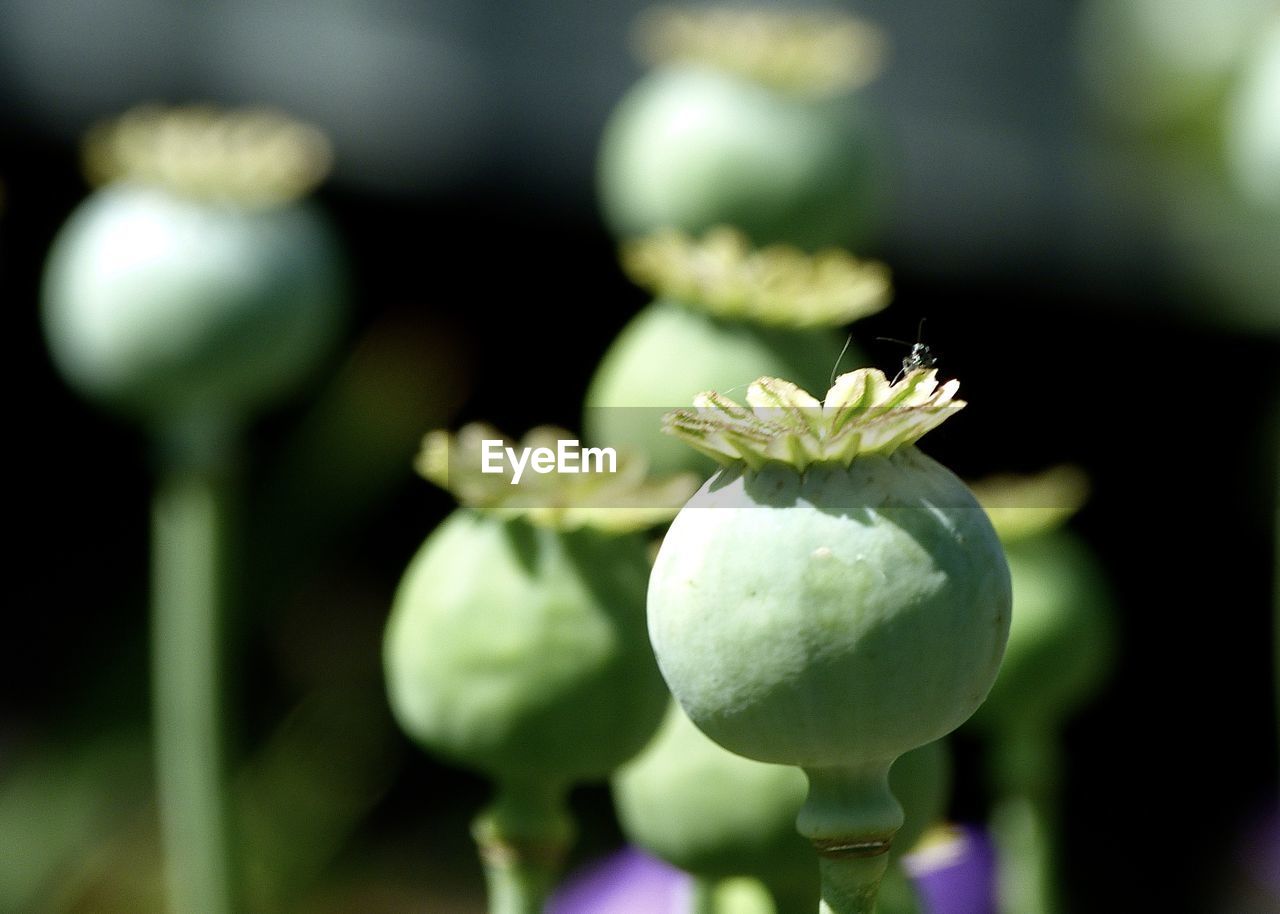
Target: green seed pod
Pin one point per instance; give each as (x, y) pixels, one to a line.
(194, 284)
(724, 314)
(746, 121)
(516, 646)
(862, 544)
(1060, 651)
(717, 815)
(831, 600)
(519, 651)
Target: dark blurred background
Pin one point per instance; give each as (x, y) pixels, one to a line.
(1104, 294)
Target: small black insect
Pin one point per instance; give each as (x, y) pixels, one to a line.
(920, 356)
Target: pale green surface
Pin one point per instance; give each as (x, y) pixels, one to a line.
(520, 651)
(690, 147)
(168, 308)
(1253, 124)
(840, 616)
(668, 354)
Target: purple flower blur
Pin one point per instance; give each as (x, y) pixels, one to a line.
(954, 871)
(627, 882)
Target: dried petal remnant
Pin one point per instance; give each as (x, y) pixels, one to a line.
(255, 157)
(722, 275)
(1022, 506)
(863, 414)
(813, 52)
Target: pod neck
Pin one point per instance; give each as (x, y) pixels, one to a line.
(850, 816)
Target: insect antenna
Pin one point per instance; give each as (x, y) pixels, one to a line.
(839, 358)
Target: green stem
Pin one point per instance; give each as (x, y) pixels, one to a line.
(851, 886)
(1024, 822)
(850, 815)
(190, 521)
(523, 838)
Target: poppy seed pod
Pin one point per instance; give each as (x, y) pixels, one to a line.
(717, 815)
(832, 599)
(195, 283)
(516, 643)
(520, 651)
(746, 120)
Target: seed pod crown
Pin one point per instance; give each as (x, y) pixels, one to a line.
(863, 413)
